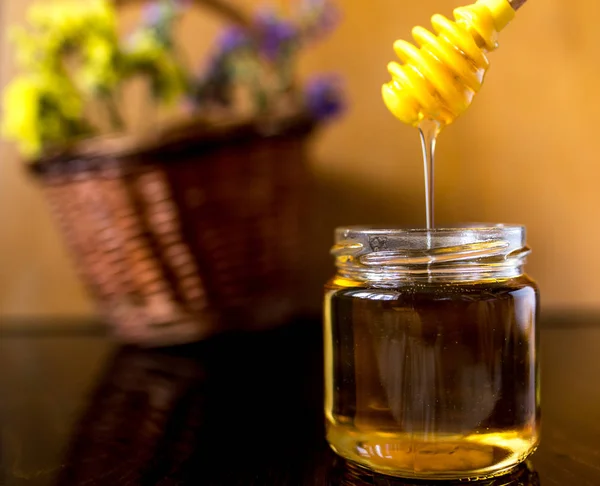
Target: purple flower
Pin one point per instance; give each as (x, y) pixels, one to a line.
(159, 19)
(275, 35)
(319, 18)
(324, 97)
(153, 13)
(233, 39)
(161, 12)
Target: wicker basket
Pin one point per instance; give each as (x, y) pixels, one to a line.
(186, 233)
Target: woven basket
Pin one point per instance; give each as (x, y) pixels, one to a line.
(190, 230)
(186, 233)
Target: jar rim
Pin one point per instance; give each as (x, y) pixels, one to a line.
(408, 231)
(372, 251)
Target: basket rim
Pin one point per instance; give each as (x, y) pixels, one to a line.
(199, 131)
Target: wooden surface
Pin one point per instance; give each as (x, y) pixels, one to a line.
(238, 410)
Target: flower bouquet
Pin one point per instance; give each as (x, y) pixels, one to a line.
(186, 229)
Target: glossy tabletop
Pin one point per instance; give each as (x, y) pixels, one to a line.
(236, 410)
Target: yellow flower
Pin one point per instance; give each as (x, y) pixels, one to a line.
(99, 70)
(69, 20)
(71, 53)
(21, 115)
(85, 30)
(147, 55)
(39, 110)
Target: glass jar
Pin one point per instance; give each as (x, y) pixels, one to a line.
(431, 351)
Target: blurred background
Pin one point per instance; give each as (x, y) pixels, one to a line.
(524, 153)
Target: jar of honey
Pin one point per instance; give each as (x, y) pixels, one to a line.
(431, 351)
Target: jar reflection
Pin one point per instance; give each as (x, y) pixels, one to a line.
(207, 414)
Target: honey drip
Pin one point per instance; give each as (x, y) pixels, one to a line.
(429, 130)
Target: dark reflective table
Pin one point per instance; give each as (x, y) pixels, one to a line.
(238, 410)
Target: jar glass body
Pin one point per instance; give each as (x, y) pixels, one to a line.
(431, 352)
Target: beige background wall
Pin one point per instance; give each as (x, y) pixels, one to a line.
(524, 153)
